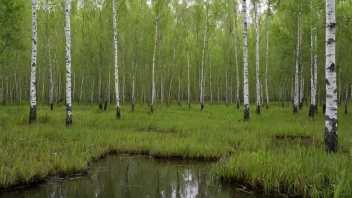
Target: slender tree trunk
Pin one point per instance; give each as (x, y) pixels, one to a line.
(188, 76)
(330, 135)
(171, 77)
(154, 53)
(68, 64)
(312, 79)
(202, 83)
(346, 99)
(179, 89)
(236, 59)
(33, 96)
(118, 114)
(124, 80)
(257, 57)
(267, 58)
(245, 62)
(296, 92)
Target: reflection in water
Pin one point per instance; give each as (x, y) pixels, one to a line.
(136, 176)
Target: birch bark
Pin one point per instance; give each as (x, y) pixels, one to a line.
(236, 60)
(33, 94)
(330, 135)
(245, 62)
(118, 114)
(257, 57)
(202, 81)
(68, 63)
(154, 53)
(267, 58)
(296, 92)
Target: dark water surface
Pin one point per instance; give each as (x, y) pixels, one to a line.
(136, 176)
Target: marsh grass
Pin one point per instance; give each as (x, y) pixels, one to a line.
(275, 152)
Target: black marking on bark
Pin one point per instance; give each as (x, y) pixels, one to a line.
(330, 137)
(324, 108)
(33, 64)
(330, 41)
(118, 113)
(331, 25)
(246, 112)
(335, 90)
(311, 111)
(327, 82)
(201, 106)
(32, 114)
(258, 110)
(332, 67)
(68, 115)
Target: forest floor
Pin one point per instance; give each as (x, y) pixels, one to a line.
(275, 152)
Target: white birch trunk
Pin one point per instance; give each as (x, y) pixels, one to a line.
(330, 135)
(245, 62)
(257, 56)
(312, 79)
(124, 80)
(118, 114)
(154, 53)
(236, 59)
(202, 81)
(33, 95)
(296, 92)
(68, 63)
(267, 58)
(188, 76)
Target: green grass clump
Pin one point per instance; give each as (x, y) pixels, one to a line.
(274, 152)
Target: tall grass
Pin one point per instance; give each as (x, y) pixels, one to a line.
(263, 154)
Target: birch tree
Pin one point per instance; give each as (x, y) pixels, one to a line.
(267, 57)
(257, 56)
(245, 62)
(296, 91)
(202, 81)
(118, 114)
(154, 54)
(236, 61)
(68, 63)
(33, 94)
(330, 135)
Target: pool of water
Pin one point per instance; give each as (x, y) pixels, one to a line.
(135, 176)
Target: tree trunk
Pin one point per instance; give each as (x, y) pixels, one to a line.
(154, 53)
(330, 135)
(257, 56)
(202, 81)
(118, 114)
(188, 76)
(68, 64)
(245, 62)
(296, 91)
(236, 59)
(33, 97)
(267, 58)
